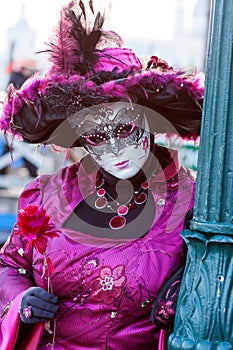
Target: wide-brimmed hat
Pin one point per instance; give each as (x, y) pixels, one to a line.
(86, 70)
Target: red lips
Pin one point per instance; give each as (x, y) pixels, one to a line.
(122, 165)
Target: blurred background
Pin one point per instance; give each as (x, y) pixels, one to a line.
(175, 30)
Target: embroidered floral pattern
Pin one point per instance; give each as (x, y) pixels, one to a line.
(108, 286)
(80, 295)
(107, 283)
(165, 309)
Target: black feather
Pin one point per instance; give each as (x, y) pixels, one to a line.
(75, 46)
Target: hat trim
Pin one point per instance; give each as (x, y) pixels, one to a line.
(143, 83)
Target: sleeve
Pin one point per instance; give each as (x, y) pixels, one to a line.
(164, 307)
(16, 272)
(15, 264)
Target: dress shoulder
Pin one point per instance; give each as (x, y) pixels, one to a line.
(34, 192)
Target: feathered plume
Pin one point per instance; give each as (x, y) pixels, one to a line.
(74, 47)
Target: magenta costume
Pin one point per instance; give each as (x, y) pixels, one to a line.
(105, 287)
(108, 287)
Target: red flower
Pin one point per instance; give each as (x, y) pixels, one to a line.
(108, 286)
(33, 224)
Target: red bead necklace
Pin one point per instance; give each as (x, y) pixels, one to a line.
(119, 220)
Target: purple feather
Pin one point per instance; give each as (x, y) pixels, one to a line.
(74, 45)
(63, 46)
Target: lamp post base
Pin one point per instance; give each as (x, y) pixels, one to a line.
(204, 316)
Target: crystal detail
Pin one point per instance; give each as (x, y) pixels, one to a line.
(145, 303)
(27, 312)
(21, 251)
(113, 314)
(161, 202)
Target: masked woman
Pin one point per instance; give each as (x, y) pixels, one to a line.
(96, 248)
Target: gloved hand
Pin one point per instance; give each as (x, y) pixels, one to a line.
(38, 305)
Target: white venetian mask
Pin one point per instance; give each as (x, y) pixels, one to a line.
(117, 137)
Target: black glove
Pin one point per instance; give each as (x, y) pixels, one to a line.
(38, 305)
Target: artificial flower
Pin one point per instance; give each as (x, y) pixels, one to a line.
(34, 225)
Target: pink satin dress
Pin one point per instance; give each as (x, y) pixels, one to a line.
(105, 287)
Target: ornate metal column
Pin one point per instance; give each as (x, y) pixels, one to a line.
(204, 319)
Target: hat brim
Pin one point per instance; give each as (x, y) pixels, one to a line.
(40, 110)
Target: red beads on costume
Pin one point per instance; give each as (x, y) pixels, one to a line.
(123, 210)
(101, 203)
(101, 192)
(140, 198)
(117, 222)
(145, 185)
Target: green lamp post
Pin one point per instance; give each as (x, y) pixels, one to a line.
(204, 319)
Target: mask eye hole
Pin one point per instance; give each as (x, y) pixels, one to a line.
(125, 130)
(95, 139)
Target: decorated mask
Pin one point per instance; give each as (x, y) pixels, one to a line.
(117, 137)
